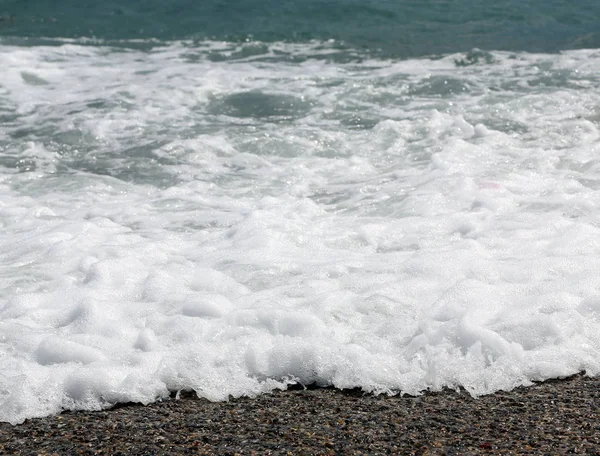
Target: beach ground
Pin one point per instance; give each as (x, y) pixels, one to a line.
(553, 417)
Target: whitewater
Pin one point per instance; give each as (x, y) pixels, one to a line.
(236, 218)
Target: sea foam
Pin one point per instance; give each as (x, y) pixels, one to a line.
(174, 221)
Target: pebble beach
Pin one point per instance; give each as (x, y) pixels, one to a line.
(553, 417)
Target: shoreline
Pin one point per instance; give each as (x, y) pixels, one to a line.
(551, 417)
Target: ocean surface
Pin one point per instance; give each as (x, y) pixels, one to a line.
(232, 197)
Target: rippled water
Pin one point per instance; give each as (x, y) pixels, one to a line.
(379, 27)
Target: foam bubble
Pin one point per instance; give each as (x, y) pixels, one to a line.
(171, 221)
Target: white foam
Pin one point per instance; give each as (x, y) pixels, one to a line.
(172, 222)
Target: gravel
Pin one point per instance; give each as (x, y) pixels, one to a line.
(554, 417)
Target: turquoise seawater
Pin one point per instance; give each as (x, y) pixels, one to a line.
(385, 27)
